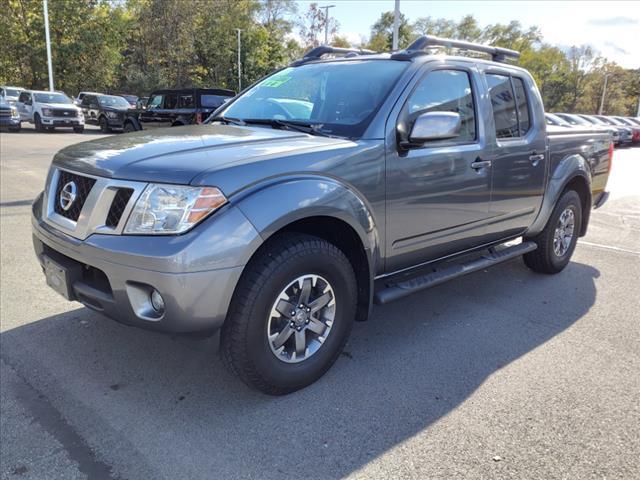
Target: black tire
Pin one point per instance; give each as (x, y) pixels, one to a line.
(104, 125)
(244, 344)
(16, 129)
(38, 123)
(545, 259)
(78, 129)
(129, 127)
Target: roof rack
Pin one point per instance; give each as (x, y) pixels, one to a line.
(318, 52)
(498, 54)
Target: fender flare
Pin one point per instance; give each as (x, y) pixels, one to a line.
(274, 205)
(133, 121)
(569, 169)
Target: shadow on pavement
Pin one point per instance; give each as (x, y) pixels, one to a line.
(160, 406)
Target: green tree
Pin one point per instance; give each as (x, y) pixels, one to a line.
(382, 32)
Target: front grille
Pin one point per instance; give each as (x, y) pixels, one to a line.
(118, 205)
(64, 112)
(5, 113)
(83, 187)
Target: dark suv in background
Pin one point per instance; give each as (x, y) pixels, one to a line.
(107, 111)
(173, 107)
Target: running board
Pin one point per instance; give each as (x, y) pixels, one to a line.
(407, 287)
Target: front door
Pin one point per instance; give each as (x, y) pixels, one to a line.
(438, 195)
(519, 156)
(25, 107)
(153, 116)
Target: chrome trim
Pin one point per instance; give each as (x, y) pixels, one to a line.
(96, 206)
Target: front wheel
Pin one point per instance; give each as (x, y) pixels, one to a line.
(128, 127)
(104, 125)
(16, 129)
(78, 129)
(38, 123)
(291, 314)
(558, 240)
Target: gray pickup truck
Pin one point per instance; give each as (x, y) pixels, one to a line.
(326, 187)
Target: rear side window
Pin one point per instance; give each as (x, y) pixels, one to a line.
(445, 91)
(504, 106)
(510, 106)
(212, 101)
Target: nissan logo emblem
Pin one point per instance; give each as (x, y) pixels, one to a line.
(68, 195)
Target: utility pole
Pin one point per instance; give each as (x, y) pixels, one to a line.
(46, 33)
(604, 92)
(326, 23)
(396, 26)
(239, 63)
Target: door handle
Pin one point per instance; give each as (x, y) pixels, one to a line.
(478, 164)
(536, 158)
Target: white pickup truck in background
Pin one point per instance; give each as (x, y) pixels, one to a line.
(49, 110)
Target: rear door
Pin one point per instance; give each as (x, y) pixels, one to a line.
(437, 195)
(517, 151)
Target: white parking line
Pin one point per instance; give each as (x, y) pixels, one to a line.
(608, 247)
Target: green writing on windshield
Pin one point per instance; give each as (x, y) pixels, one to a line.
(276, 80)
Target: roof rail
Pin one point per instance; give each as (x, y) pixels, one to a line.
(498, 54)
(318, 52)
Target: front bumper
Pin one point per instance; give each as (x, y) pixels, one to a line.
(9, 121)
(117, 280)
(62, 121)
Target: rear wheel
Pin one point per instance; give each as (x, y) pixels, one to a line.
(558, 240)
(291, 314)
(38, 123)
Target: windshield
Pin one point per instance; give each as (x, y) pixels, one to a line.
(338, 98)
(611, 121)
(11, 92)
(595, 120)
(112, 101)
(624, 121)
(574, 119)
(556, 120)
(52, 98)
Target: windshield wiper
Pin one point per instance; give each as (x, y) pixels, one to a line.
(304, 127)
(228, 120)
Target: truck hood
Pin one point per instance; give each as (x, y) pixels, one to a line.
(59, 105)
(193, 154)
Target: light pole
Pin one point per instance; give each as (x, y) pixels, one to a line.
(396, 25)
(239, 64)
(326, 23)
(46, 33)
(604, 92)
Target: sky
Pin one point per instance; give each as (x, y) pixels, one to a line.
(611, 27)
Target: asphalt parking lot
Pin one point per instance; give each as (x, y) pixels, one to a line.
(501, 374)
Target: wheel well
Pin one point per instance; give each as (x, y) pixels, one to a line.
(343, 236)
(581, 187)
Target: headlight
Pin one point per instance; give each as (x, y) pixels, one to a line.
(163, 209)
(47, 112)
(14, 112)
(112, 115)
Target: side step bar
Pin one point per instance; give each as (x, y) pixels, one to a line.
(402, 289)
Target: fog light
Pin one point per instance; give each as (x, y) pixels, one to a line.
(157, 302)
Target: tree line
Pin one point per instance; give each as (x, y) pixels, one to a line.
(135, 46)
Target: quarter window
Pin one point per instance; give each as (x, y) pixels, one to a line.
(445, 91)
(186, 101)
(524, 120)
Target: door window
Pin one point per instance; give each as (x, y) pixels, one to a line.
(510, 106)
(504, 106)
(170, 101)
(186, 101)
(155, 102)
(445, 91)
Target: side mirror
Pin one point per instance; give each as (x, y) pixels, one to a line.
(434, 126)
